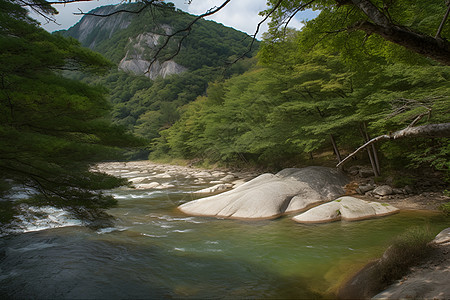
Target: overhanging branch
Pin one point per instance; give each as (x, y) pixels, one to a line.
(441, 130)
(188, 28)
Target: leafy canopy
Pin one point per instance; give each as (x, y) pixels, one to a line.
(52, 128)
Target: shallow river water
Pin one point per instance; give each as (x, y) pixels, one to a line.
(155, 251)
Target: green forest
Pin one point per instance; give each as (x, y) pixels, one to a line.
(310, 90)
(296, 98)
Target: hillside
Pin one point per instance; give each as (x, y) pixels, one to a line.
(132, 40)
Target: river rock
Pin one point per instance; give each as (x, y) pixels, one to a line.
(383, 190)
(138, 179)
(203, 174)
(443, 238)
(214, 189)
(409, 189)
(238, 182)
(324, 213)
(398, 191)
(145, 186)
(345, 208)
(229, 177)
(162, 175)
(364, 173)
(269, 195)
(362, 189)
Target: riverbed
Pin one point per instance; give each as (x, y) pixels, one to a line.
(155, 251)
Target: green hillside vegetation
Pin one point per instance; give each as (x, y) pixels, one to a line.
(303, 96)
(145, 107)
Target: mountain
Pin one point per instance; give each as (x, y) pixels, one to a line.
(178, 76)
(131, 40)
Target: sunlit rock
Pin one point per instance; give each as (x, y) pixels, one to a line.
(227, 178)
(137, 62)
(145, 186)
(327, 212)
(214, 189)
(345, 208)
(383, 190)
(443, 238)
(268, 195)
(137, 179)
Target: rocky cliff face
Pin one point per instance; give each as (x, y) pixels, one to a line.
(135, 60)
(92, 30)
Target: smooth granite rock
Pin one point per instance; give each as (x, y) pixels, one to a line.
(345, 208)
(269, 195)
(383, 190)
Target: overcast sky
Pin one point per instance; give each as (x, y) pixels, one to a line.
(239, 14)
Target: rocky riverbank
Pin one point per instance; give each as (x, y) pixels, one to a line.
(427, 278)
(426, 193)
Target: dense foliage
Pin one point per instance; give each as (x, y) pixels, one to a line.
(52, 128)
(401, 30)
(304, 96)
(146, 107)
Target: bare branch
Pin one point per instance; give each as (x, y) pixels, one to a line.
(256, 32)
(64, 2)
(146, 4)
(188, 28)
(46, 15)
(294, 13)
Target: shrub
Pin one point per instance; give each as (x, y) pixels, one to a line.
(406, 250)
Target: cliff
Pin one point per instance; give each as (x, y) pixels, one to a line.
(131, 40)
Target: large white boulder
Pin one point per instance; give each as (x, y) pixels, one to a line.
(345, 208)
(268, 195)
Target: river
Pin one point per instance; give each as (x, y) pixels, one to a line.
(155, 251)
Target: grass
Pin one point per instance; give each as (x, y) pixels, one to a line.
(407, 250)
(445, 208)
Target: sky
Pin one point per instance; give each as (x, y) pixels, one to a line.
(239, 14)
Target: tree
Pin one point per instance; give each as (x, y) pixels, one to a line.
(52, 129)
(418, 26)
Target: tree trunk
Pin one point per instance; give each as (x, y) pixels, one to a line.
(369, 153)
(374, 150)
(434, 48)
(335, 148)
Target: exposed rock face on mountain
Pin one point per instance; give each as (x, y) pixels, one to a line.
(269, 196)
(135, 59)
(91, 30)
(133, 39)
